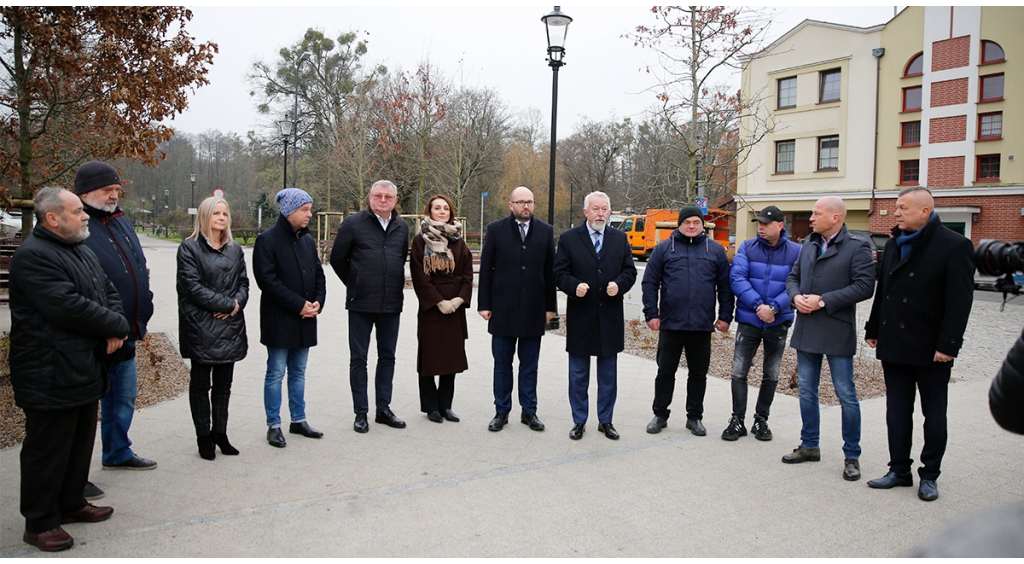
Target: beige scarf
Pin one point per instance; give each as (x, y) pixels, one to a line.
(437, 237)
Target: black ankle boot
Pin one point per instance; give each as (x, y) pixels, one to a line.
(221, 440)
(206, 449)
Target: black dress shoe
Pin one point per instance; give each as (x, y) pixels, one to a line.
(928, 491)
(303, 428)
(361, 425)
(435, 416)
(696, 427)
(577, 432)
(499, 421)
(389, 418)
(450, 415)
(656, 425)
(532, 421)
(891, 480)
(608, 430)
(275, 437)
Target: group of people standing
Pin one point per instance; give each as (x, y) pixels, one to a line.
(79, 303)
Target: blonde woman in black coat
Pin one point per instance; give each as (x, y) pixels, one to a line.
(212, 291)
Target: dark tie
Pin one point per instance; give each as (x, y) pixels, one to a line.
(597, 243)
(522, 232)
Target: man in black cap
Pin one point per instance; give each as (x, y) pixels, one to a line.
(686, 274)
(117, 246)
(763, 313)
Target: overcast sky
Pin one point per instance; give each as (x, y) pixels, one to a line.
(503, 48)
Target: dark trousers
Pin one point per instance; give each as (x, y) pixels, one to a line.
(579, 384)
(748, 338)
(698, 359)
(55, 458)
(503, 349)
(200, 394)
(436, 397)
(360, 325)
(933, 384)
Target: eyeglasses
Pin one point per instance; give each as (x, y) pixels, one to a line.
(525, 203)
(383, 197)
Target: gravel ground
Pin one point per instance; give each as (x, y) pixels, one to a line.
(162, 376)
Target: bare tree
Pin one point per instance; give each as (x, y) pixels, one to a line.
(697, 46)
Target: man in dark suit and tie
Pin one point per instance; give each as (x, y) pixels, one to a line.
(517, 297)
(594, 267)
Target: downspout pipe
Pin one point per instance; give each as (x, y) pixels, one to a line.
(877, 54)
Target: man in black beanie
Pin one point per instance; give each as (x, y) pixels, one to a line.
(686, 274)
(117, 246)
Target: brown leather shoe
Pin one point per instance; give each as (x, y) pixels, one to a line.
(53, 540)
(802, 455)
(88, 514)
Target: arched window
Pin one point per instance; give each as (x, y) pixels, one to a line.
(916, 66)
(991, 52)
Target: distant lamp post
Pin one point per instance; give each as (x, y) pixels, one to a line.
(192, 179)
(167, 200)
(557, 26)
(295, 117)
(286, 131)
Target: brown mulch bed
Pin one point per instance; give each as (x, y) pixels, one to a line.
(867, 373)
(162, 375)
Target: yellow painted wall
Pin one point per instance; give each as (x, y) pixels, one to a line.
(1005, 26)
(902, 38)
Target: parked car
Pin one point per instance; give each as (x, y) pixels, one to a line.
(877, 243)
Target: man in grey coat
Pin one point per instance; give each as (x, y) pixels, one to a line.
(834, 272)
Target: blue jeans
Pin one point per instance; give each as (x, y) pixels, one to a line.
(118, 407)
(579, 383)
(809, 375)
(294, 360)
(748, 338)
(360, 325)
(503, 349)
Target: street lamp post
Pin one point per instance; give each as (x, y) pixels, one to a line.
(295, 118)
(192, 178)
(286, 130)
(557, 26)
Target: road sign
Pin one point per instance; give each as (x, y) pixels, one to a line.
(702, 203)
(218, 192)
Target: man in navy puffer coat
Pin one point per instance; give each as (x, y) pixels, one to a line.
(683, 278)
(763, 312)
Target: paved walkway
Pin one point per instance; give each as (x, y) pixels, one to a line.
(457, 490)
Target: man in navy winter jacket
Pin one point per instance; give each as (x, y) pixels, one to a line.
(763, 312)
(115, 243)
(686, 274)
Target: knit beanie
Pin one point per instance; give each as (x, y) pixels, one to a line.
(94, 175)
(689, 211)
(291, 199)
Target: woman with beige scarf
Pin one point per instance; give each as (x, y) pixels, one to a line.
(442, 276)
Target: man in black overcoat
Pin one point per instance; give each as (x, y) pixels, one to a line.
(67, 328)
(594, 267)
(516, 296)
(917, 323)
(293, 288)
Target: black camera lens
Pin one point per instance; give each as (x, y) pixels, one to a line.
(996, 258)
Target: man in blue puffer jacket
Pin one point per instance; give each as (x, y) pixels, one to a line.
(763, 312)
(686, 275)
